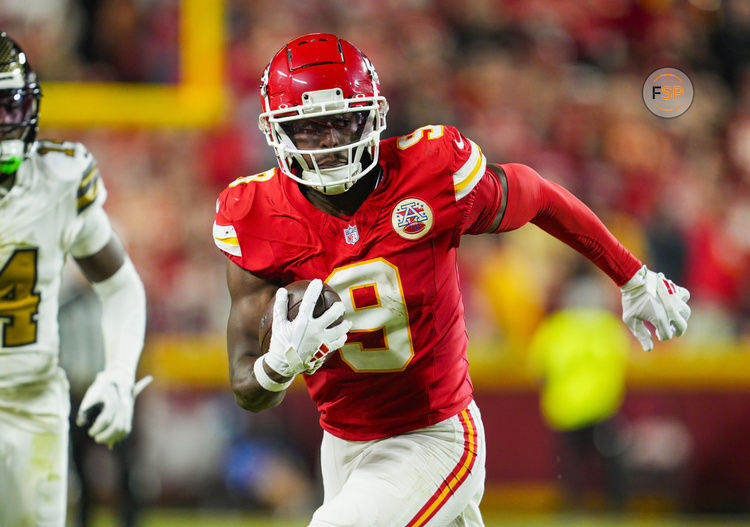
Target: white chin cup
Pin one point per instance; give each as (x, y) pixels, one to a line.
(11, 148)
(336, 180)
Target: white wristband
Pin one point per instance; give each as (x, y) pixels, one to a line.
(267, 382)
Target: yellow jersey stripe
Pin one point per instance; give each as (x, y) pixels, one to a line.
(225, 238)
(263, 176)
(466, 178)
(463, 184)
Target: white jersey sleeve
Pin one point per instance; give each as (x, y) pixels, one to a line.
(89, 230)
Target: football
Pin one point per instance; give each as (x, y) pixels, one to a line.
(296, 291)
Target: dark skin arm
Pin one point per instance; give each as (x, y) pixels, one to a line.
(250, 295)
(104, 263)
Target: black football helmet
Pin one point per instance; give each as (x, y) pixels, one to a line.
(19, 105)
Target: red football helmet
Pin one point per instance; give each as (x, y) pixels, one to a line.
(317, 82)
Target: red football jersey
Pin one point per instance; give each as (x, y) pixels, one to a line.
(393, 263)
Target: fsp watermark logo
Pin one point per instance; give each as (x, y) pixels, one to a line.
(668, 92)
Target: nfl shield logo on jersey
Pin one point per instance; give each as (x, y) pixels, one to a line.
(412, 218)
(351, 234)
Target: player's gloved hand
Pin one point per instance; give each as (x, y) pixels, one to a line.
(301, 344)
(107, 406)
(649, 296)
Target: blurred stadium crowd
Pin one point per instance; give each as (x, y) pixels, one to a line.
(555, 84)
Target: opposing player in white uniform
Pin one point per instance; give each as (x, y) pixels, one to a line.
(51, 200)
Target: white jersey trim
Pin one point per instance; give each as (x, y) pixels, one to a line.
(225, 238)
(467, 177)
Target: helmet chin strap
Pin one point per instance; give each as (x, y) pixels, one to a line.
(334, 174)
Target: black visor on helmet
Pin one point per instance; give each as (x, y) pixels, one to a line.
(18, 112)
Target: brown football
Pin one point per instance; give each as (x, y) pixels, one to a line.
(296, 291)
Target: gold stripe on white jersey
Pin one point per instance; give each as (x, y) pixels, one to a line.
(88, 189)
(225, 238)
(467, 177)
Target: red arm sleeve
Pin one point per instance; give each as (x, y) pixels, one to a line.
(558, 212)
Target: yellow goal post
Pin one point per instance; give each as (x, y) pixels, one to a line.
(197, 100)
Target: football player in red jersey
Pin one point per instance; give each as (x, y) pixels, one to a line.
(380, 221)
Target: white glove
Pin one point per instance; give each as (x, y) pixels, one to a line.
(301, 345)
(109, 403)
(652, 297)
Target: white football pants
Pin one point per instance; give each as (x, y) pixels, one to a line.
(34, 453)
(429, 477)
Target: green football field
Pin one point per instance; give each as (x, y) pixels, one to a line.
(204, 518)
